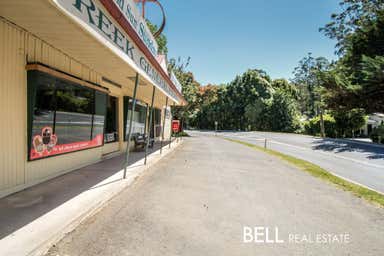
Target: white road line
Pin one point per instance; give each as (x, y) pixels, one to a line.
(330, 154)
(323, 153)
(357, 183)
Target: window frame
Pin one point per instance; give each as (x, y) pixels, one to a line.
(116, 118)
(34, 72)
(127, 101)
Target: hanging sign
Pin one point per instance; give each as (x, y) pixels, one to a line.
(175, 125)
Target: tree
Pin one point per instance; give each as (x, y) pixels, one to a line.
(162, 40)
(283, 114)
(245, 90)
(347, 122)
(306, 78)
(190, 90)
(312, 126)
(356, 81)
(287, 87)
(355, 14)
(257, 115)
(372, 84)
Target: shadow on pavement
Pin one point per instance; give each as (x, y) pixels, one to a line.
(19, 209)
(335, 146)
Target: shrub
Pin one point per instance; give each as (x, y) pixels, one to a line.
(312, 127)
(377, 134)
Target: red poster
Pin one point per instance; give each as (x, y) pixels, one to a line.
(176, 125)
(45, 145)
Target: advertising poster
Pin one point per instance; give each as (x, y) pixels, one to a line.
(48, 144)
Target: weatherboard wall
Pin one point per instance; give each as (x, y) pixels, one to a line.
(18, 47)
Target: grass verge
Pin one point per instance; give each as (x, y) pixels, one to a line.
(317, 171)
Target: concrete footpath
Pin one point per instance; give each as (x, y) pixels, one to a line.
(32, 220)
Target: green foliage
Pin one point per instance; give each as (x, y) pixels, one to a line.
(283, 114)
(180, 134)
(357, 79)
(276, 114)
(245, 90)
(378, 134)
(312, 127)
(257, 115)
(161, 40)
(306, 78)
(190, 90)
(250, 100)
(338, 124)
(372, 83)
(354, 15)
(284, 85)
(349, 121)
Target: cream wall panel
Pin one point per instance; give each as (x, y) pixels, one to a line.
(50, 167)
(12, 107)
(110, 148)
(16, 173)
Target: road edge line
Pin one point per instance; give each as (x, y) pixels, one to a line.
(356, 189)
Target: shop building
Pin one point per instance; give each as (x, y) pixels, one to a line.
(68, 73)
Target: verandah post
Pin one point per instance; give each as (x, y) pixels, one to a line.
(150, 124)
(126, 161)
(162, 132)
(170, 134)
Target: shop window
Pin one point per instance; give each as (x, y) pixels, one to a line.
(111, 124)
(73, 113)
(99, 115)
(139, 117)
(63, 116)
(157, 119)
(156, 123)
(44, 107)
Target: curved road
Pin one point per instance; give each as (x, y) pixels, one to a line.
(358, 162)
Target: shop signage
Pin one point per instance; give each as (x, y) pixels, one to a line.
(47, 144)
(109, 137)
(133, 16)
(175, 125)
(98, 19)
(176, 82)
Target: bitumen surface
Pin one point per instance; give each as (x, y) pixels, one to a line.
(199, 199)
(362, 163)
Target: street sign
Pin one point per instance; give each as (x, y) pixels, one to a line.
(175, 125)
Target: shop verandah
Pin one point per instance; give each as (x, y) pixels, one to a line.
(64, 75)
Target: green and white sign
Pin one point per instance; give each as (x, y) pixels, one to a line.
(96, 20)
(132, 14)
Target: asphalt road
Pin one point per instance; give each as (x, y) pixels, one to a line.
(360, 163)
(198, 199)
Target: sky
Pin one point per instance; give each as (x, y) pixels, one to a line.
(225, 38)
